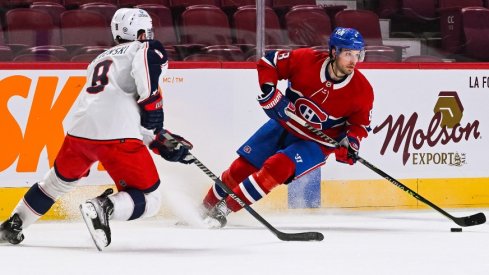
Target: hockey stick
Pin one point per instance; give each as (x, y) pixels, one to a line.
(475, 219)
(303, 236)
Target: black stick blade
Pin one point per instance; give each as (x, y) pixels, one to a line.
(475, 219)
(300, 237)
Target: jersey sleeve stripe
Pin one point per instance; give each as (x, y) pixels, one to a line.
(146, 67)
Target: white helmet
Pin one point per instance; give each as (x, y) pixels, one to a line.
(127, 22)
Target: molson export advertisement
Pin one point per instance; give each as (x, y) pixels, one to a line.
(429, 130)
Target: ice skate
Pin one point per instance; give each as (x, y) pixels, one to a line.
(216, 217)
(11, 230)
(96, 213)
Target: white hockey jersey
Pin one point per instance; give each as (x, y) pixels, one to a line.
(119, 78)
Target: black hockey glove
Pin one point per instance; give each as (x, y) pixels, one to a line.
(152, 113)
(274, 103)
(172, 147)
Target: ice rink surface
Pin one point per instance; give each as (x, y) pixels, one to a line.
(356, 242)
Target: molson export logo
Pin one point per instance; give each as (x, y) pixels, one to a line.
(445, 127)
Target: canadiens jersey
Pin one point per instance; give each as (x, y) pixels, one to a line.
(117, 80)
(335, 108)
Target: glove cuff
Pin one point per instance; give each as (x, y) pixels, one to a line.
(354, 143)
(271, 100)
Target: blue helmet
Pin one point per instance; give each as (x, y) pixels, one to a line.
(346, 38)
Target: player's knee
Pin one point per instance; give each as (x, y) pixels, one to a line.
(145, 204)
(279, 167)
(54, 186)
(153, 203)
(239, 170)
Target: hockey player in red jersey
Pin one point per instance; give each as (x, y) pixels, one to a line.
(328, 92)
(119, 114)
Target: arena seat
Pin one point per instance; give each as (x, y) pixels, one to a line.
(282, 7)
(205, 24)
(74, 4)
(54, 9)
(36, 58)
(476, 30)
(132, 3)
(105, 9)
(451, 29)
(84, 28)
(307, 25)
(388, 8)
(244, 22)
(59, 52)
(6, 54)
(30, 27)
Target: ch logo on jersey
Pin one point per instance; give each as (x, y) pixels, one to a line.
(311, 112)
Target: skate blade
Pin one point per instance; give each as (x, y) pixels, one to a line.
(98, 236)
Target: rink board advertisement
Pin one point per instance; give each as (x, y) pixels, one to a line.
(430, 128)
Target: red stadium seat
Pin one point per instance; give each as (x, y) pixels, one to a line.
(244, 21)
(105, 9)
(419, 10)
(36, 58)
(84, 28)
(205, 24)
(281, 7)
(162, 23)
(132, 3)
(476, 30)
(5, 54)
(231, 6)
(74, 4)
(58, 51)
(388, 8)
(54, 9)
(30, 27)
(307, 25)
(178, 6)
(451, 29)
(13, 4)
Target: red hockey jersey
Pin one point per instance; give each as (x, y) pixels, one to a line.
(335, 108)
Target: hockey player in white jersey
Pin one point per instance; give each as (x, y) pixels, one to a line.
(118, 114)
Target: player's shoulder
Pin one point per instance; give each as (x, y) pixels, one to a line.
(361, 80)
(309, 55)
(156, 50)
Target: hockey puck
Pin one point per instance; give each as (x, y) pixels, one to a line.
(456, 229)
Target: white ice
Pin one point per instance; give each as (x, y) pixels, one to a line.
(356, 242)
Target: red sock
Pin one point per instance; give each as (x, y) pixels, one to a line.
(276, 170)
(239, 170)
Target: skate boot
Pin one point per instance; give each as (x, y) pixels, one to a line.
(11, 230)
(96, 213)
(216, 217)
